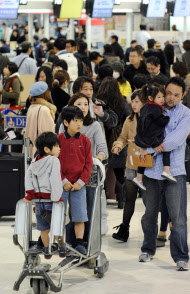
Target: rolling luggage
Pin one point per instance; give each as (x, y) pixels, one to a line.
(12, 171)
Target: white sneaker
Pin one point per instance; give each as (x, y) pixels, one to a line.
(145, 257)
(168, 177)
(182, 266)
(139, 184)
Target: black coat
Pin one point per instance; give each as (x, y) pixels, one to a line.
(164, 66)
(150, 127)
(118, 50)
(60, 99)
(130, 71)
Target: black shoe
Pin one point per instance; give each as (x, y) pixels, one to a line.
(63, 251)
(47, 255)
(122, 234)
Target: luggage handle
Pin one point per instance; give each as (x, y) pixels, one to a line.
(7, 153)
(12, 142)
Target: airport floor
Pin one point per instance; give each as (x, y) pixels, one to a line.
(125, 274)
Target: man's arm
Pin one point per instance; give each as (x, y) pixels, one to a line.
(109, 118)
(178, 136)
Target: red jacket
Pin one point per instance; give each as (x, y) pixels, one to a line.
(75, 158)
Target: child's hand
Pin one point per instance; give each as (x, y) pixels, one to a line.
(27, 201)
(76, 186)
(116, 150)
(68, 186)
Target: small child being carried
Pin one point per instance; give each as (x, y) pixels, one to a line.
(150, 129)
(43, 180)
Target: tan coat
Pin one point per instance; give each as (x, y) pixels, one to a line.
(45, 122)
(128, 133)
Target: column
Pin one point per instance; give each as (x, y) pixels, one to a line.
(30, 28)
(185, 28)
(129, 27)
(71, 29)
(88, 32)
(46, 25)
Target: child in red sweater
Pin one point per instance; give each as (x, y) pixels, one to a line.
(76, 165)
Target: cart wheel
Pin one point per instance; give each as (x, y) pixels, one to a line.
(36, 286)
(43, 287)
(99, 275)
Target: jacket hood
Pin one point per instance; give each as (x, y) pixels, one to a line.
(42, 165)
(16, 75)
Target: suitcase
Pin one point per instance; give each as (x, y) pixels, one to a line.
(12, 171)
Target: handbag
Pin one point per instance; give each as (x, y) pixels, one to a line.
(149, 162)
(47, 214)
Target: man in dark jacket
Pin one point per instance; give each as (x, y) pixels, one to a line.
(40, 51)
(137, 66)
(153, 67)
(118, 50)
(152, 51)
(103, 114)
(98, 60)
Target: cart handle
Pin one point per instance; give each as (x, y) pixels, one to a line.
(97, 162)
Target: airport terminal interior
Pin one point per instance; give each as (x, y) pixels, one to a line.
(94, 146)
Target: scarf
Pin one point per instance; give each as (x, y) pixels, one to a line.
(51, 107)
(150, 102)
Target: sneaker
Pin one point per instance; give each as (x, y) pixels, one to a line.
(160, 241)
(182, 266)
(168, 177)
(139, 184)
(80, 248)
(145, 257)
(35, 249)
(63, 251)
(47, 255)
(122, 234)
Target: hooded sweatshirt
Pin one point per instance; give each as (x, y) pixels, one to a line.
(47, 170)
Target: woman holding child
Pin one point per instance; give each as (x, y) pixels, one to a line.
(127, 136)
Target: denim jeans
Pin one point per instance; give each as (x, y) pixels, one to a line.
(176, 201)
(70, 235)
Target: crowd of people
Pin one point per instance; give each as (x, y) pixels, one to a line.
(112, 107)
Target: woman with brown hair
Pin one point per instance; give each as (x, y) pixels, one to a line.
(59, 96)
(40, 115)
(186, 55)
(110, 94)
(127, 136)
(180, 70)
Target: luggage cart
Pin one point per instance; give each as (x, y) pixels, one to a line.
(40, 273)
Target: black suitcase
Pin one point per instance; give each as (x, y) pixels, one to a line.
(11, 181)
(12, 172)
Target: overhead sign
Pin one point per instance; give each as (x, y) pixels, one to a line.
(9, 9)
(16, 121)
(182, 8)
(102, 8)
(156, 8)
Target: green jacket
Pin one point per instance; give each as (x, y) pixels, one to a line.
(17, 87)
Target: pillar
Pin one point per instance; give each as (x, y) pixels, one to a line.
(30, 28)
(129, 27)
(46, 25)
(88, 32)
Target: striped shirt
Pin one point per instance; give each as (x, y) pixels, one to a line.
(176, 133)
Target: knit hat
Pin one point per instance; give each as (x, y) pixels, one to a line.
(61, 63)
(38, 88)
(118, 66)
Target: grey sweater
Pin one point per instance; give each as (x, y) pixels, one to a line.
(96, 136)
(47, 170)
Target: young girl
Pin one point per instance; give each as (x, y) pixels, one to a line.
(150, 128)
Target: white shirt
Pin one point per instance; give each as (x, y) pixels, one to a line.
(142, 37)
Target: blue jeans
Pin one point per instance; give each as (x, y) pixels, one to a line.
(176, 201)
(70, 235)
